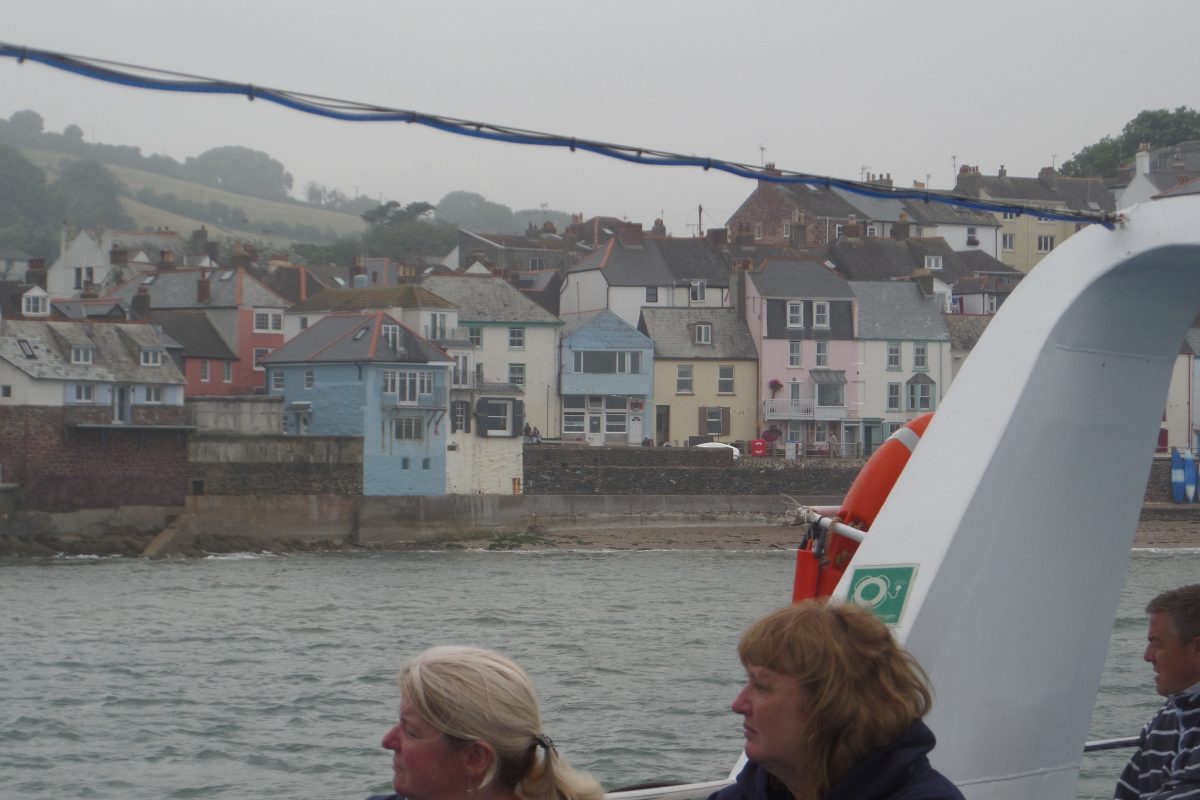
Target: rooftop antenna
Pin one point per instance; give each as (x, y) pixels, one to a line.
(1053, 158)
(762, 156)
(862, 173)
(699, 220)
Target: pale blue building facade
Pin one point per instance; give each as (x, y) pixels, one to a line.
(606, 369)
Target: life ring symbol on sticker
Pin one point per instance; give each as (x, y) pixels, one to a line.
(872, 591)
(636, 405)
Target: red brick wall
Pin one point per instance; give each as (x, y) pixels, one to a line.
(65, 470)
(768, 206)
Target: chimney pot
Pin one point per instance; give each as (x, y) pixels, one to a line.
(203, 290)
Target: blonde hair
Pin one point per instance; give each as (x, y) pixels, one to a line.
(861, 688)
(471, 694)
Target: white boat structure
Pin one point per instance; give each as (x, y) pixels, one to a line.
(1016, 514)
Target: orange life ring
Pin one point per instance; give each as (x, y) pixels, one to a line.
(859, 509)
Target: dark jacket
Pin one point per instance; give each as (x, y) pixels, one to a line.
(900, 771)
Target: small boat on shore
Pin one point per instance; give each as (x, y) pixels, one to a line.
(1008, 532)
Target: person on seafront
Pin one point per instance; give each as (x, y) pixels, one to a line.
(1166, 765)
(470, 729)
(832, 710)
(527, 432)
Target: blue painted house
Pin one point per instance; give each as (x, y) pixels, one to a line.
(607, 380)
(367, 375)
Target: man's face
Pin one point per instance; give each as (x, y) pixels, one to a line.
(1176, 663)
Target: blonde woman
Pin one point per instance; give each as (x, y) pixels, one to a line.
(832, 710)
(470, 729)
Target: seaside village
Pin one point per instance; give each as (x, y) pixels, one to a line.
(813, 325)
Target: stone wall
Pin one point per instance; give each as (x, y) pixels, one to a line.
(227, 464)
(557, 470)
(67, 469)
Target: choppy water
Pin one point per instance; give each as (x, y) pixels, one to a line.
(268, 677)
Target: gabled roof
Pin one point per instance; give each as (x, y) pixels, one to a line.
(991, 284)
(898, 310)
(658, 262)
(1077, 194)
(965, 329)
(486, 298)
(793, 278)
(604, 329)
(356, 338)
(673, 332)
(176, 288)
(877, 259)
(100, 308)
(979, 261)
(292, 282)
(373, 298)
(117, 355)
(817, 201)
(195, 332)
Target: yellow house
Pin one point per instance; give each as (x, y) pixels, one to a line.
(705, 375)
(1024, 241)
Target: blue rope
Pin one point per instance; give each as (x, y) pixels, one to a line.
(341, 110)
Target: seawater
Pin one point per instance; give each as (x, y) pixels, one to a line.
(262, 676)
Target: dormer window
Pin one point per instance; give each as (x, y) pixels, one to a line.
(795, 314)
(392, 334)
(82, 354)
(36, 305)
(821, 314)
(698, 288)
(933, 262)
(703, 333)
(151, 357)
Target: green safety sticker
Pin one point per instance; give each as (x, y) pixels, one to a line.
(882, 589)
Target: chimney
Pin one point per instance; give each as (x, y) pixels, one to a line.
(1048, 177)
(89, 290)
(200, 241)
(717, 237)
(1141, 159)
(769, 169)
(1003, 173)
(852, 230)
(925, 281)
(531, 232)
(203, 289)
(118, 256)
(140, 306)
(968, 180)
(239, 259)
(36, 275)
(548, 227)
(630, 234)
(659, 229)
(166, 259)
(901, 227)
(213, 251)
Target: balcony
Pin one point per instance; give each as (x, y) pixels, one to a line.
(446, 335)
(802, 408)
(432, 400)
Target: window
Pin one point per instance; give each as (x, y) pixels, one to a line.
(703, 333)
(608, 362)
(536, 262)
(893, 355)
(794, 353)
(822, 354)
(151, 358)
(872, 230)
(893, 397)
(460, 375)
(277, 380)
(81, 354)
(26, 348)
(698, 289)
(831, 395)
(460, 416)
(500, 417)
(259, 354)
(36, 304)
(837, 231)
(1009, 215)
(437, 325)
(478, 374)
(821, 314)
(410, 429)
(516, 338)
(725, 379)
(154, 394)
(795, 314)
(6, 390)
(1045, 243)
(651, 294)
(304, 323)
(989, 303)
(476, 336)
(920, 397)
(573, 422)
(920, 355)
(310, 378)
(85, 393)
(83, 276)
(933, 262)
(228, 372)
(683, 379)
(391, 334)
(758, 230)
(407, 385)
(712, 420)
(267, 321)
(204, 370)
(516, 374)
(787, 230)
(1008, 242)
(615, 422)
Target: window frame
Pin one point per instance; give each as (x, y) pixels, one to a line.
(703, 333)
(698, 291)
(822, 356)
(204, 370)
(1045, 243)
(85, 393)
(893, 360)
(154, 395)
(795, 353)
(516, 338)
(408, 428)
(795, 314)
(920, 399)
(83, 354)
(516, 373)
(685, 383)
(726, 378)
(895, 397)
(259, 354)
(1008, 242)
(651, 294)
(151, 357)
(818, 307)
(310, 378)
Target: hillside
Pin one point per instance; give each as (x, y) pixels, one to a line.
(264, 217)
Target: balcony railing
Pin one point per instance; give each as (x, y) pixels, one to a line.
(434, 399)
(802, 408)
(443, 333)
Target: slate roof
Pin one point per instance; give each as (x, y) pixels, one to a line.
(486, 298)
(10, 298)
(176, 288)
(877, 259)
(1078, 194)
(659, 262)
(793, 278)
(979, 261)
(992, 284)
(817, 201)
(898, 310)
(965, 329)
(89, 309)
(195, 333)
(922, 213)
(1188, 187)
(605, 330)
(335, 339)
(672, 332)
(373, 298)
(117, 358)
(292, 282)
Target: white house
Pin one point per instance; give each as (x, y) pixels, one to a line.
(103, 258)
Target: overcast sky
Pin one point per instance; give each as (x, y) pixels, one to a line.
(832, 88)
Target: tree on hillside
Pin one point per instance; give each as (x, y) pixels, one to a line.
(1157, 128)
(242, 171)
(28, 212)
(28, 122)
(474, 212)
(89, 195)
(391, 213)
